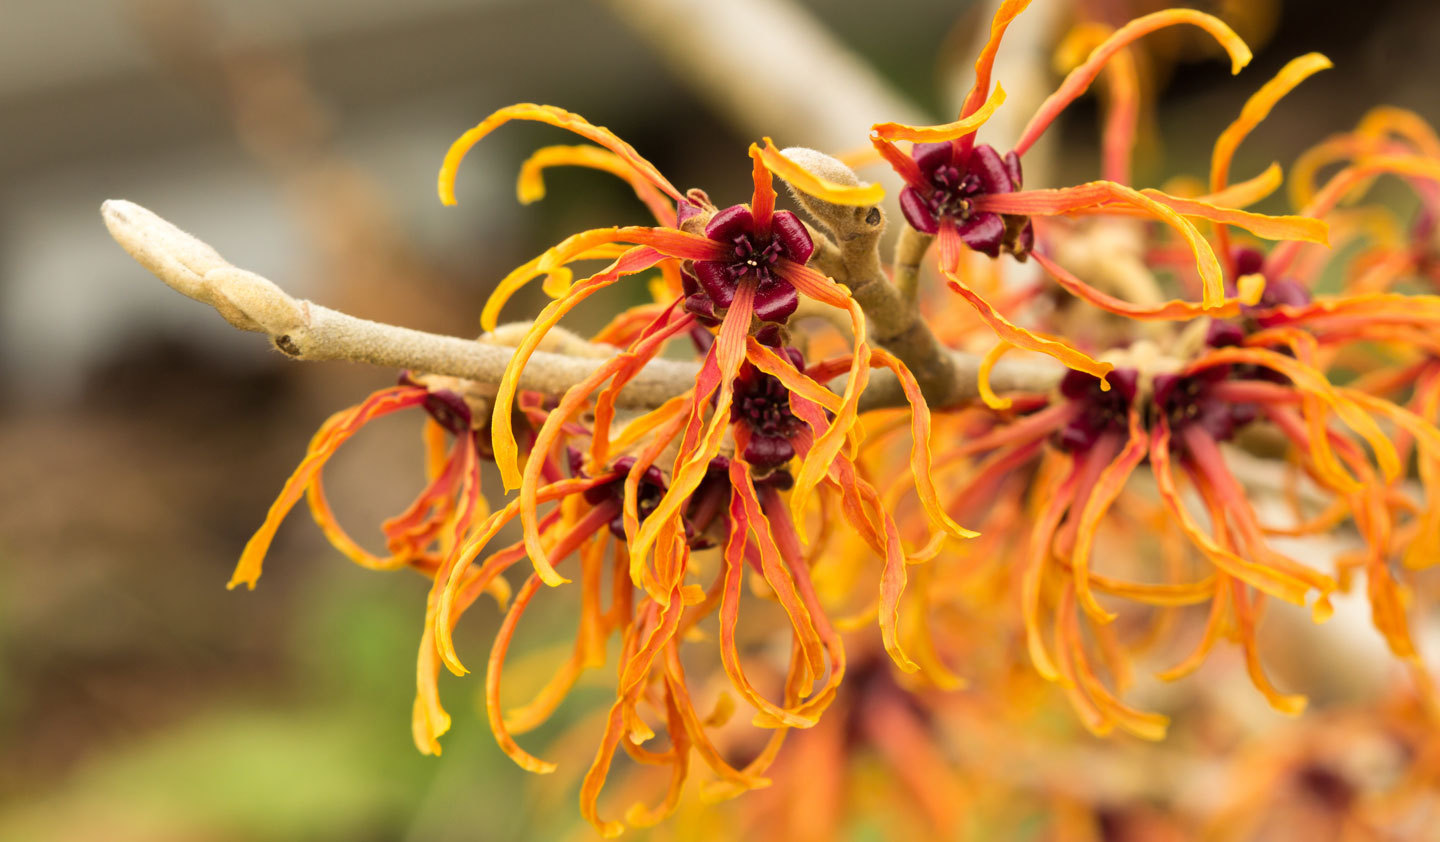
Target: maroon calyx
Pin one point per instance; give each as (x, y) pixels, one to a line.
(762, 404)
(1101, 412)
(953, 180)
(647, 496)
(1188, 400)
(710, 290)
(1278, 292)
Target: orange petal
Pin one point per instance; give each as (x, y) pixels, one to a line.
(1173, 310)
(762, 200)
(1111, 482)
(507, 453)
(559, 118)
(817, 463)
(1003, 327)
(530, 187)
(1123, 105)
(985, 62)
(813, 185)
(1246, 193)
(1256, 109)
(949, 131)
(982, 377)
(1080, 78)
(1090, 197)
(920, 453)
(333, 433)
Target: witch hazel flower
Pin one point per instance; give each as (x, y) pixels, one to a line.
(954, 179)
(756, 252)
(970, 197)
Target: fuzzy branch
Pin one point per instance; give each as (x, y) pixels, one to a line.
(307, 331)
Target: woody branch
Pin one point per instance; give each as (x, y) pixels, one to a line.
(304, 330)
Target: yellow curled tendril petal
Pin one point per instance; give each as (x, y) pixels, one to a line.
(1080, 78)
(336, 430)
(1401, 122)
(920, 452)
(982, 377)
(985, 62)
(813, 185)
(949, 131)
(1289, 227)
(1242, 194)
(530, 185)
(558, 117)
(1256, 109)
(950, 245)
(817, 464)
(1100, 197)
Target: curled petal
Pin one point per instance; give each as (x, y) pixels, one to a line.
(1314, 386)
(920, 453)
(524, 759)
(1299, 228)
(1173, 310)
(1080, 78)
(1256, 109)
(982, 377)
(530, 187)
(592, 244)
(1092, 197)
(1270, 580)
(1003, 327)
(762, 201)
(821, 188)
(1243, 194)
(1108, 487)
(1123, 89)
(507, 452)
(950, 131)
(333, 433)
(985, 62)
(814, 285)
(796, 381)
(559, 118)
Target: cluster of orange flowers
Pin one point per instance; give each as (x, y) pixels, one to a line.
(1077, 528)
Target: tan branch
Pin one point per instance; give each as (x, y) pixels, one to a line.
(307, 331)
(893, 314)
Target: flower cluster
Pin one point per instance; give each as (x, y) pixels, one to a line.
(1125, 500)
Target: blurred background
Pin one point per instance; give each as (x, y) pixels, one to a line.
(142, 438)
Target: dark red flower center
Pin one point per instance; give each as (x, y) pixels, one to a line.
(1190, 399)
(1100, 412)
(762, 404)
(758, 255)
(951, 181)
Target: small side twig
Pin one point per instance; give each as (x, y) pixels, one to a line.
(892, 311)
